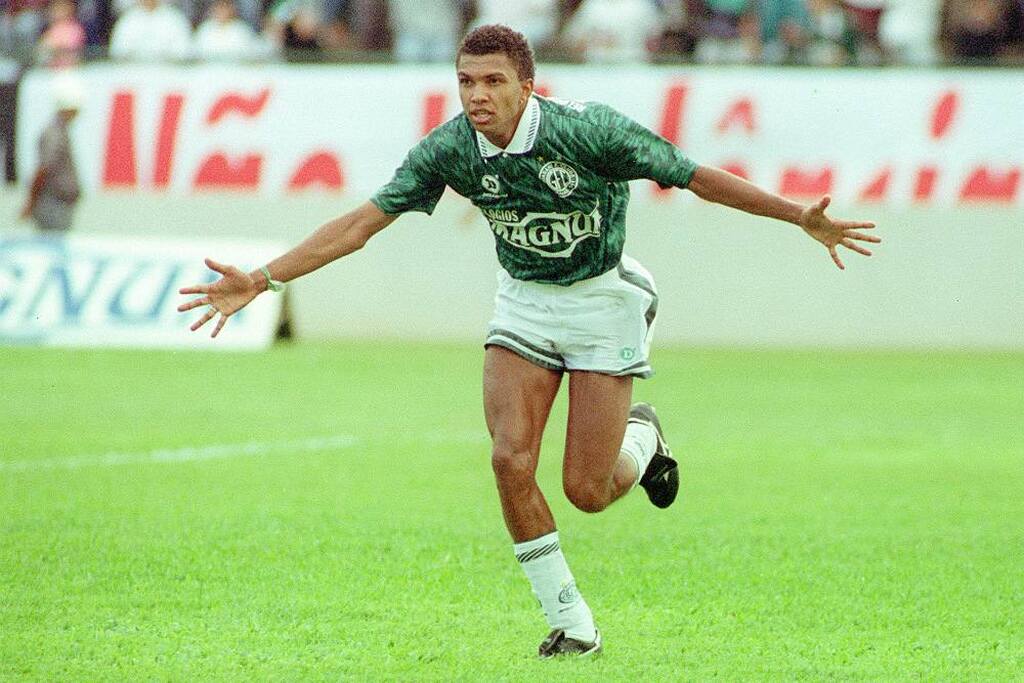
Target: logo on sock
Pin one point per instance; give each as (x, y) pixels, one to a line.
(568, 594)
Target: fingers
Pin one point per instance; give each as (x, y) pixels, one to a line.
(195, 303)
(213, 265)
(853, 246)
(207, 317)
(823, 203)
(220, 325)
(205, 289)
(853, 235)
(835, 258)
(855, 225)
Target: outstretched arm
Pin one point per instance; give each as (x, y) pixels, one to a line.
(721, 187)
(334, 239)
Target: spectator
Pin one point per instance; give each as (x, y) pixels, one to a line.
(865, 18)
(251, 12)
(613, 31)
(978, 30)
(535, 19)
(21, 23)
(679, 34)
(1014, 53)
(224, 37)
(727, 32)
(96, 17)
(426, 32)
(54, 189)
(62, 43)
(151, 32)
(909, 31)
(296, 27)
(192, 9)
(830, 34)
(785, 30)
(337, 25)
(368, 25)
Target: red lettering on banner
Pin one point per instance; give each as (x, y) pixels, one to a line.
(736, 168)
(671, 125)
(119, 154)
(799, 183)
(217, 171)
(433, 111)
(878, 188)
(944, 113)
(166, 136)
(242, 172)
(984, 184)
(924, 186)
(320, 168)
(740, 113)
(248, 107)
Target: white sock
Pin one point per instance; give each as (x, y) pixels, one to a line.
(639, 444)
(554, 586)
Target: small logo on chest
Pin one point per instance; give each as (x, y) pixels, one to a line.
(560, 177)
(490, 184)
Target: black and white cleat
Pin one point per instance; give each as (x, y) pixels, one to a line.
(661, 478)
(557, 644)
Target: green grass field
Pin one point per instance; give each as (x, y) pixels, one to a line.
(168, 516)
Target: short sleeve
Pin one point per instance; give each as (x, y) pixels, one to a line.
(416, 185)
(631, 151)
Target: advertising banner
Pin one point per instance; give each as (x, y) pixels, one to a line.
(886, 136)
(97, 291)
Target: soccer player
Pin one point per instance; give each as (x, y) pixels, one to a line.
(551, 179)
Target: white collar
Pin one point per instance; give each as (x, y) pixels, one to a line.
(524, 137)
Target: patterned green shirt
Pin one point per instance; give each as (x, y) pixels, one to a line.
(556, 197)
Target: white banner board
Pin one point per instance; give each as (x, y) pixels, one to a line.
(98, 291)
(905, 137)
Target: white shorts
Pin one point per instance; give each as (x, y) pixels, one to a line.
(603, 324)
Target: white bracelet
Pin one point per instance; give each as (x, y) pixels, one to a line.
(272, 285)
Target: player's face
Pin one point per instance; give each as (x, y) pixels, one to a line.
(492, 95)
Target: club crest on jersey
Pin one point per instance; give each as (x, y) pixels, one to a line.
(490, 184)
(560, 177)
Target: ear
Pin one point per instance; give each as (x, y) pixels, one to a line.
(526, 88)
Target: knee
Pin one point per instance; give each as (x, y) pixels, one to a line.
(587, 495)
(512, 465)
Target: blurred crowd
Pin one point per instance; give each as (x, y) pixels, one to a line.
(61, 33)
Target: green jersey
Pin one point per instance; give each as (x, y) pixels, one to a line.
(555, 197)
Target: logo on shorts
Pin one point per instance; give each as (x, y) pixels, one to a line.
(560, 177)
(627, 353)
(568, 594)
(491, 183)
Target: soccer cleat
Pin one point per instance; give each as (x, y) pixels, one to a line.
(557, 644)
(661, 478)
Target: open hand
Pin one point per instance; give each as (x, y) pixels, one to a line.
(832, 233)
(228, 295)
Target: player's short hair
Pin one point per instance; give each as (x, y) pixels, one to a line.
(496, 38)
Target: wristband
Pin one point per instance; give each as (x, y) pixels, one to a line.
(272, 285)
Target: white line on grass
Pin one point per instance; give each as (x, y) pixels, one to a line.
(233, 450)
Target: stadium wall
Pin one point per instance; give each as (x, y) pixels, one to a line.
(932, 156)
